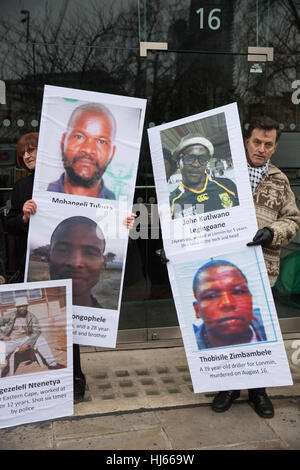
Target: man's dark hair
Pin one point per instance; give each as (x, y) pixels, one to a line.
(213, 264)
(265, 123)
(78, 220)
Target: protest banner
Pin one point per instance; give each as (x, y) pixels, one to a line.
(86, 167)
(36, 363)
(221, 290)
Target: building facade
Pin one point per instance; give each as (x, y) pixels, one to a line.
(184, 57)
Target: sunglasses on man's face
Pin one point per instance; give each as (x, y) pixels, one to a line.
(189, 159)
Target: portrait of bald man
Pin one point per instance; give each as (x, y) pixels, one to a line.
(225, 305)
(87, 148)
(77, 248)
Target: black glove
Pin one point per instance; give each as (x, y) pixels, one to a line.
(161, 253)
(262, 237)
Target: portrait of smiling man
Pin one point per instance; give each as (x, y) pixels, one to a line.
(87, 148)
(224, 303)
(77, 252)
(197, 192)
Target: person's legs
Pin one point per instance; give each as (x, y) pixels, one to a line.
(258, 398)
(79, 377)
(12, 345)
(8, 348)
(261, 402)
(223, 400)
(42, 347)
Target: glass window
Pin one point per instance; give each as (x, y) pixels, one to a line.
(206, 65)
(10, 297)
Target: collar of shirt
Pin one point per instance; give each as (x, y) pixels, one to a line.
(256, 175)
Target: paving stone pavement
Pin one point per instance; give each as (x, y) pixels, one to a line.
(143, 399)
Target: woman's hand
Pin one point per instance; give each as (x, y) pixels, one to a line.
(129, 221)
(29, 208)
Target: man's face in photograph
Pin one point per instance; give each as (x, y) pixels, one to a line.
(22, 310)
(87, 148)
(77, 253)
(194, 162)
(224, 301)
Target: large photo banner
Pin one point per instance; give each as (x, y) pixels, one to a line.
(203, 201)
(88, 153)
(221, 289)
(36, 363)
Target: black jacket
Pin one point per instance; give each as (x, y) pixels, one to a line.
(22, 191)
(2, 253)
